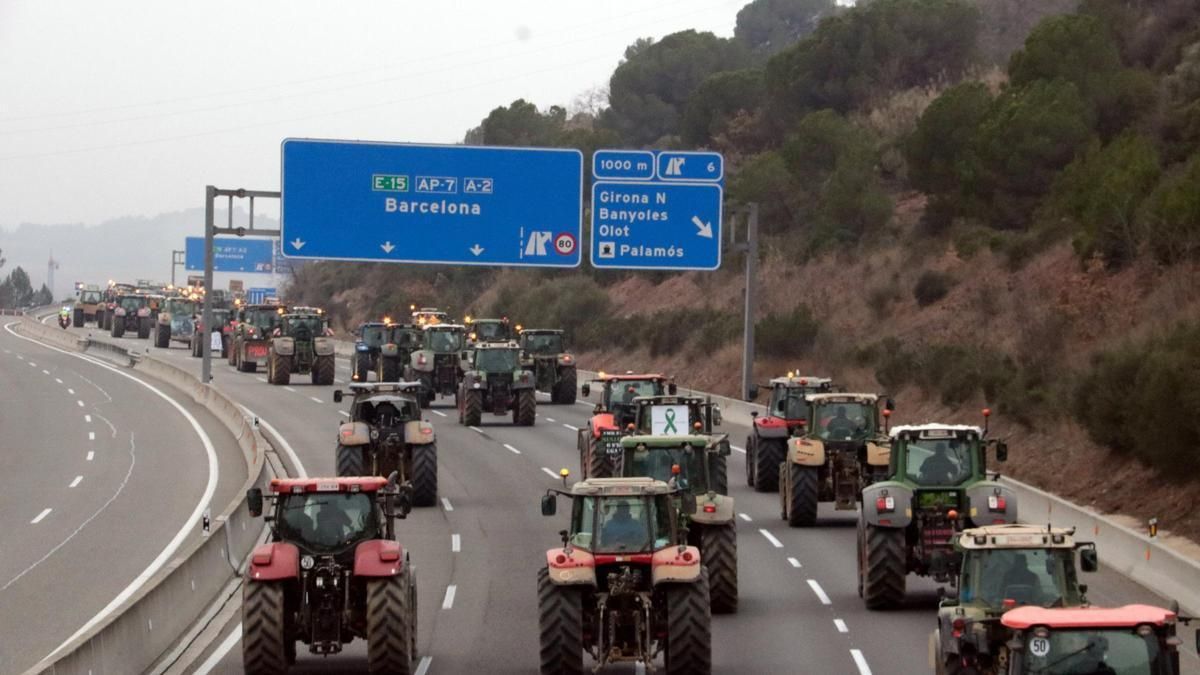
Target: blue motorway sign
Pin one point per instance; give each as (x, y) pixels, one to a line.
(230, 254)
(656, 210)
(258, 296)
(446, 204)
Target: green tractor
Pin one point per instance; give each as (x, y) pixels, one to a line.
(250, 340)
(497, 383)
(385, 433)
(438, 363)
(488, 330)
(176, 322)
(1003, 567)
(695, 464)
(399, 343)
(542, 351)
(301, 344)
(937, 482)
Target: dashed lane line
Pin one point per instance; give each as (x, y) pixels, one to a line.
(438, 413)
(771, 538)
(572, 427)
(343, 413)
(446, 504)
(261, 379)
(91, 435)
(550, 473)
(550, 419)
(512, 449)
(745, 516)
(45, 372)
(455, 543)
(794, 563)
(423, 666)
(841, 626)
(476, 429)
(77, 481)
(58, 380)
(314, 399)
(448, 601)
(741, 450)
(38, 518)
(32, 364)
(91, 455)
(820, 592)
(80, 403)
(290, 389)
(87, 418)
(860, 661)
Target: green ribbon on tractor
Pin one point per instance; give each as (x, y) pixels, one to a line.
(670, 415)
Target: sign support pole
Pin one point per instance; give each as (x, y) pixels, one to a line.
(748, 319)
(177, 260)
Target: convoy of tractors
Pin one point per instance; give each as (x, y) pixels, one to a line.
(650, 550)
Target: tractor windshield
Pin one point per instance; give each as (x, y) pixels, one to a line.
(89, 297)
(405, 338)
(491, 330)
(939, 462)
(544, 343)
(621, 524)
(327, 522)
(659, 463)
(789, 403)
(310, 325)
(1043, 577)
(132, 303)
(444, 341)
(496, 360)
(622, 392)
(1118, 651)
(264, 320)
(373, 336)
(844, 421)
(181, 307)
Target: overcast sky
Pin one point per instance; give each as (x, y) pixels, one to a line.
(132, 107)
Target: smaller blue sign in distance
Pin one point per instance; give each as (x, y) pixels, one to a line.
(623, 165)
(690, 166)
(231, 254)
(258, 296)
(656, 226)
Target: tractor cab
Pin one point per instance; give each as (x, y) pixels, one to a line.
(618, 517)
(370, 336)
(1129, 639)
(618, 392)
(488, 330)
(675, 415)
(429, 316)
(788, 396)
(683, 461)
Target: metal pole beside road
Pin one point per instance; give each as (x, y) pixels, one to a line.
(748, 319)
(178, 259)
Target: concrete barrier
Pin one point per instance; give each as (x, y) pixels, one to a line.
(150, 622)
(1147, 561)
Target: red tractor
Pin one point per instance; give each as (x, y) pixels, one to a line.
(600, 442)
(332, 572)
(787, 411)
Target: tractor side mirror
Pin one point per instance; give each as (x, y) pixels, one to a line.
(337, 395)
(1001, 451)
(672, 388)
(254, 502)
(585, 389)
(752, 392)
(549, 505)
(715, 415)
(1088, 560)
(689, 503)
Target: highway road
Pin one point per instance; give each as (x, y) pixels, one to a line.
(478, 552)
(106, 480)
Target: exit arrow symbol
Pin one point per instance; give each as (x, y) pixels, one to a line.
(387, 246)
(476, 249)
(298, 243)
(705, 228)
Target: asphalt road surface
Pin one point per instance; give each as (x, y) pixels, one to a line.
(104, 479)
(478, 552)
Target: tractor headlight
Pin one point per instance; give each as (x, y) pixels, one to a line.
(307, 562)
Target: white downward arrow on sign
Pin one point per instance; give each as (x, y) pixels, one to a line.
(705, 228)
(476, 249)
(387, 246)
(298, 243)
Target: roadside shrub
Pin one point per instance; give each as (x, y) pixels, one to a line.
(785, 335)
(931, 287)
(880, 299)
(717, 329)
(1170, 217)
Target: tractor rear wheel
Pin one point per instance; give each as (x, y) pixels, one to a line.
(247, 366)
(472, 407)
(389, 369)
(883, 561)
(424, 475)
(525, 412)
(598, 464)
(144, 325)
(560, 624)
(162, 336)
(279, 369)
(564, 390)
(689, 628)
(391, 620)
(360, 365)
(802, 495)
(763, 458)
(264, 631)
(77, 318)
(720, 474)
(718, 552)
(323, 370)
(350, 461)
(118, 327)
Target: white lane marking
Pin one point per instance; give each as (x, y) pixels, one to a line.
(314, 399)
(446, 504)
(339, 381)
(794, 563)
(77, 481)
(111, 428)
(448, 601)
(189, 524)
(32, 364)
(585, 404)
(550, 419)
(91, 435)
(476, 429)
(287, 447)
(771, 538)
(572, 427)
(423, 666)
(860, 661)
(455, 543)
(7, 351)
(438, 412)
(87, 418)
(80, 403)
(37, 519)
(841, 626)
(745, 516)
(98, 387)
(512, 449)
(820, 592)
(290, 389)
(741, 450)
(219, 655)
(550, 473)
(91, 455)
(343, 413)
(45, 372)
(264, 381)
(20, 357)
(58, 380)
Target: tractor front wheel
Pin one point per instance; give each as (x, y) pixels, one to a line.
(564, 391)
(471, 407)
(391, 622)
(162, 336)
(689, 628)
(883, 565)
(718, 552)
(360, 365)
(560, 625)
(264, 630)
(118, 326)
(598, 464)
(279, 369)
(389, 369)
(525, 412)
(350, 461)
(323, 369)
(424, 475)
(762, 460)
(143, 330)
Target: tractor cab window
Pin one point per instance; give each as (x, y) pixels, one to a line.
(264, 320)
(181, 307)
(132, 303)
(844, 421)
(373, 336)
(496, 360)
(544, 344)
(659, 463)
(327, 522)
(623, 392)
(1043, 577)
(939, 462)
(406, 338)
(789, 403)
(491, 331)
(444, 341)
(90, 297)
(1118, 651)
(621, 524)
(386, 414)
(310, 325)
(220, 317)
